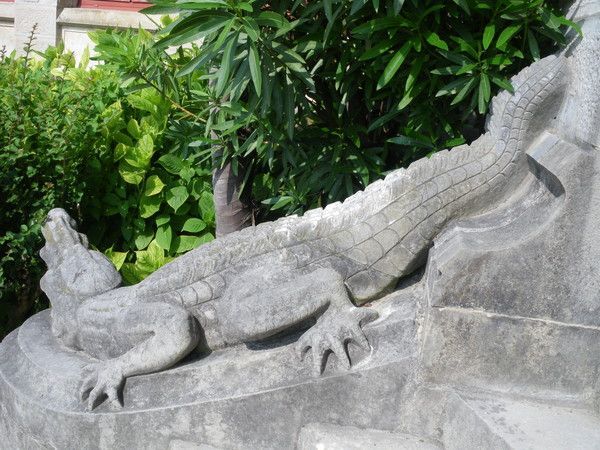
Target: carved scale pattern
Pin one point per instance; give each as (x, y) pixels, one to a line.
(388, 227)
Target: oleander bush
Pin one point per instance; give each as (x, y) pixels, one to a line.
(317, 98)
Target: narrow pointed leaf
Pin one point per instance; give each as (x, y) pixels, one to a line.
(488, 35)
(506, 34)
(226, 61)
(255, 71)
(393, 66)
(534, 48)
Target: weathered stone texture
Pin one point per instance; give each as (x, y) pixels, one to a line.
(495, 344)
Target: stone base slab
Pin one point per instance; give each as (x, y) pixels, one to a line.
(256, 397)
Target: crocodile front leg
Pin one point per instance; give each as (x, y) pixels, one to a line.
(333, 331)
(255, 308)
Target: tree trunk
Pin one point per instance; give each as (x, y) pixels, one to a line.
(232, 213)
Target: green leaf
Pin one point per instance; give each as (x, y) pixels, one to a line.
(131, 174)
(328, 10)
(484, 86)
(272, 19)
(433, 39)
(123, 139)
(484, 93)
(397, 6)
(290, 112)
(117, 258)
(155, 255)
(464, 4)
(278, 202)
(149, 205)
(164, 236)
(394, 64)
(177, 196)
(377, 50)
(251, 28)
(120, 151)
(464, 91)
(504, 84)
(207, 207)
(186, 243)
(534, 48)
(383, 120)
(162, 219)
(488, 35)
(196, 62)
(143, 239)
(381, 23)
(409, 96)
(452, 87)
(194, 32)
(145, 148)
(154, 185)
(564, 21)
(415, 69)
(506, 34)
(193, 225)
(141, 103)
(168, 7)
(134, 128)
(406, 140)
(255, 71)
(357, 6)
(132, 274)
(245, 7)
(225, 69)
(171, 163)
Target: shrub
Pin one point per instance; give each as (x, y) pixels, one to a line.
(76, 138)
(153, 199)
(318, 98)
(48, 129)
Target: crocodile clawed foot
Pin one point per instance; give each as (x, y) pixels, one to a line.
(102, 380)
(332, 332)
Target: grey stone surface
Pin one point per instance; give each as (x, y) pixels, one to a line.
(235, 398)
(334, 437)
(472, 419)
(244, 341)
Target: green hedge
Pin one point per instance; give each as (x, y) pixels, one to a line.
(74, 137)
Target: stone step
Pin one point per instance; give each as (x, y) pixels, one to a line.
(484, 420)
(318, 436)
(528, 356)
(503, 423)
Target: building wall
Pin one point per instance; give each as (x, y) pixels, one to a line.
(60, 21)
(7, 33)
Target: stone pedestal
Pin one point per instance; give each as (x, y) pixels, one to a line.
(257, 397)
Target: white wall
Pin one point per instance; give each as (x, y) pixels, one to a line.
(7, 33)
(58, 21)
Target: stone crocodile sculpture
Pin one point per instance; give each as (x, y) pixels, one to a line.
(315, 270)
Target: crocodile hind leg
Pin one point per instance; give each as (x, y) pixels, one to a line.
(255, 308)
(145, 338)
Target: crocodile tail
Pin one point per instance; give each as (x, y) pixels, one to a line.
(195, 275)
(513, 115)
